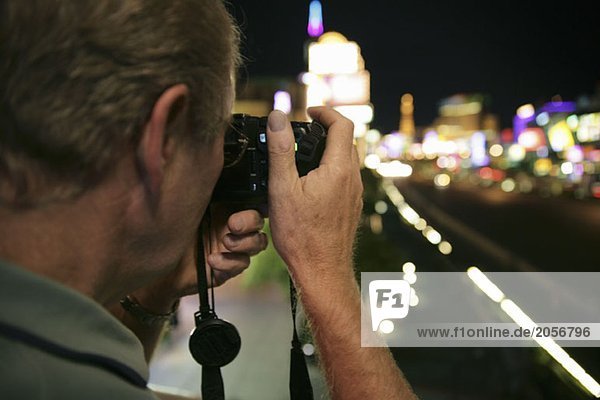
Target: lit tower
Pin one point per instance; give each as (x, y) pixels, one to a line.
(407, 117)
(315, 19)
(337, 77)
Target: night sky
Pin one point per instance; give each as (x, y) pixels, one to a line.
(512, 51)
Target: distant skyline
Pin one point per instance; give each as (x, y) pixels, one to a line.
(515, 52)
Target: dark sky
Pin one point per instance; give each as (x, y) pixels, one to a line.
(513, 51)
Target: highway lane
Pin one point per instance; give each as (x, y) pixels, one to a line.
(549, 234)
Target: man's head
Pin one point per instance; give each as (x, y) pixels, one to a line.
(79, 81)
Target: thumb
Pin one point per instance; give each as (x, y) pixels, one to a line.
(282, 161)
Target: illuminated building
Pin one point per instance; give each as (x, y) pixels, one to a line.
(461, 115)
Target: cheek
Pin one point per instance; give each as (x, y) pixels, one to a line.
(215, 161)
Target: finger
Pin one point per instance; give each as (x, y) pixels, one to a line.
(247, 221)
(251, 243)
(282, 162)
(340, 134)
(227, 265)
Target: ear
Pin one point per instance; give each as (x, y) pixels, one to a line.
(156, 147)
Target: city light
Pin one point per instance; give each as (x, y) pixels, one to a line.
(526, 111)
(486, 285)
(315, 19)
(394, 169)
(524, 321)
(560, 136)
(496, 150)
(445, 247)
(372, 161)
(282, 101)
(334, 54)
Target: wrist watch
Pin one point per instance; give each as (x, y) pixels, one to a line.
(144, 316)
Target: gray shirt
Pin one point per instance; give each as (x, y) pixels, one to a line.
(56, 343)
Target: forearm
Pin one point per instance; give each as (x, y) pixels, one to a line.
(353, 372)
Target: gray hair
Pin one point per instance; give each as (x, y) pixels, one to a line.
(79, 78)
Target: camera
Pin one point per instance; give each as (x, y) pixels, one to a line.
(245, 174)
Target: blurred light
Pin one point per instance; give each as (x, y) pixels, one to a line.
(441, 180)
(394, 143)
(595, 190)
(524, 321)
(442, 162)
(360, 130)
(408, 213)
(588, 129)
(414, 299)
(430, 143)
(416, 150)
(421, 224)
(483, 283)
(433, 236)
(376, 223)
(357, 113)
(410, 277)
(526, 111)
(560, 136)
(486, 173)
(308, 349)
(548, 344)
(315, 19)
(350, 88)
(516, 152)
(460, 109)
(507, 135)
(542, 119)
(445, 247)
(573, 122)
(525, 186)
(478, 150)
(542, 152)
(409, 268)
(317, 92)
(532, 138)
(372, 161)
(542, 166)
(386, 327)
(282, 101)
(508, 185)
(575, 154)
(566, 168)
(496, 150)
(394, 169)
(334, 54)
(381, 207)
(308, 78)
(372, 136)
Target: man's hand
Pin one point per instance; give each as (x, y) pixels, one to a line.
(313, 223)
(314, 218)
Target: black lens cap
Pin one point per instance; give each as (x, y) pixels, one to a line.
(214, 343)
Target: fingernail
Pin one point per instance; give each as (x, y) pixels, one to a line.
(277, 121)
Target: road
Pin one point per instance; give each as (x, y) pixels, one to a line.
(548, 234)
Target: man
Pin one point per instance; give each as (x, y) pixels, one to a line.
(111, 141)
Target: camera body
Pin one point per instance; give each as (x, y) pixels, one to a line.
(245, 176)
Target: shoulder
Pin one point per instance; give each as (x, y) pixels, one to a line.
(30, 373)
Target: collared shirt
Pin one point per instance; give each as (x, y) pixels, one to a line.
(55, 343)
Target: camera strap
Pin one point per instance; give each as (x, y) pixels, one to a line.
(300, 386)
(214, 343)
